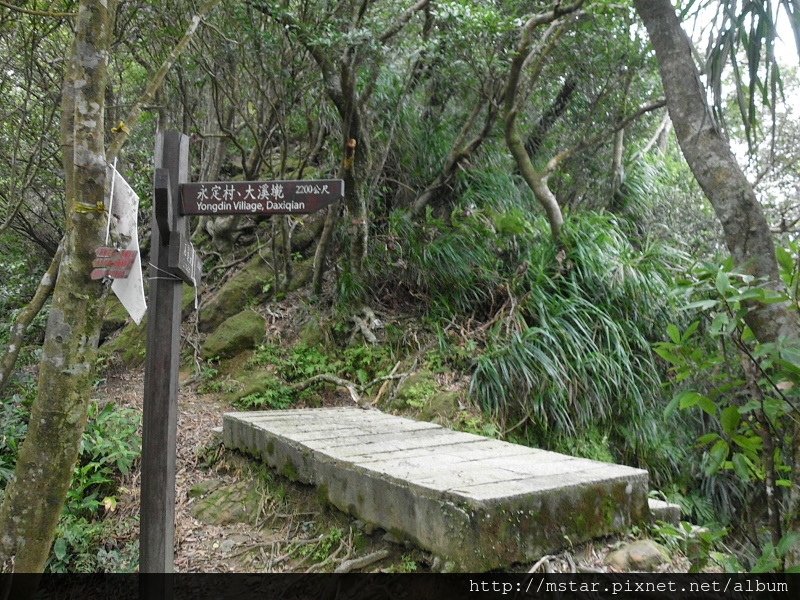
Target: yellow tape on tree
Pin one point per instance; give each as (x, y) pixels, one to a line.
(83, 208)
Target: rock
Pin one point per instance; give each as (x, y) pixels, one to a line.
(114, 319)
(312, 334)
(247, 384)
(203, 488)
(392, 538)
(642, 555)
(442, 406)
(415, 392)
(128, 345)
(248, 286)
(235, 503)
(240, 332)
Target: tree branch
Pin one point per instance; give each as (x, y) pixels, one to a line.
(38, 13)
(155, 83)
(652, 105)
(402, 20)
(338, 381)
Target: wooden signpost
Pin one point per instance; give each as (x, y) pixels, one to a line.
(173, 261)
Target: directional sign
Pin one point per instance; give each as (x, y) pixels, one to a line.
(259, 197)
(112, 263)
(183, 260)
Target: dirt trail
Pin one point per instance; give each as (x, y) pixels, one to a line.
(288, 530)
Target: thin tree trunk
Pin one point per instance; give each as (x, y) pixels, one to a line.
(332, 218)
(35, 496)
(24, 319)
(523, 56)
(709, 156)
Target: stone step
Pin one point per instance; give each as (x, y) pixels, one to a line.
(474, 502)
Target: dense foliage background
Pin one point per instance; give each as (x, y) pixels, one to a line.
(619, 337)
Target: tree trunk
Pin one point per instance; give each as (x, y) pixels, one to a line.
(35, 496)
(714, 166)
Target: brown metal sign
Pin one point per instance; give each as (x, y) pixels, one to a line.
(259, 197)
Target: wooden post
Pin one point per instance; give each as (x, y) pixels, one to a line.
(157, 524)
(173, 260)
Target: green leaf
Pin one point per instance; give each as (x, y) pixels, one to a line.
(730, 419)
(708, 438)
(665, 352)
(717, 456)
(719, 324)
(674, 333)
(701, 304)
(60, 549)
(785, 259)
(787, 542)
(767, 561)
(741, 467)
(791, 355)
(708, 405)
(690, 331)
(749, 443)
(688, 399)
(723, 282)
(673, 404)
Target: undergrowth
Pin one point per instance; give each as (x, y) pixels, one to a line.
(111, 444)
(743, 395)
(85, 540)
(360, 364)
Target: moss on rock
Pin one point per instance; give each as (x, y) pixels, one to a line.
(129, 345)
(442, 407)
(248, 287)
(415, 392)
(114, 319)
(236, 334)
(248, 383)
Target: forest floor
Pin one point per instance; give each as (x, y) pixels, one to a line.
(271, 524)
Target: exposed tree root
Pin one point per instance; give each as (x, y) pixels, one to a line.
(362, 562)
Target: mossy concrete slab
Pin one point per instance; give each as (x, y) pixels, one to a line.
(475, 502)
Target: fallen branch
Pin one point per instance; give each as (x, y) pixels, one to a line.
(386, 379)
(362, 562)
(235, 262)
(354, 389)
(544, 561)
(351, 387)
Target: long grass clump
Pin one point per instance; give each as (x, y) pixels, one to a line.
(573, 351)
